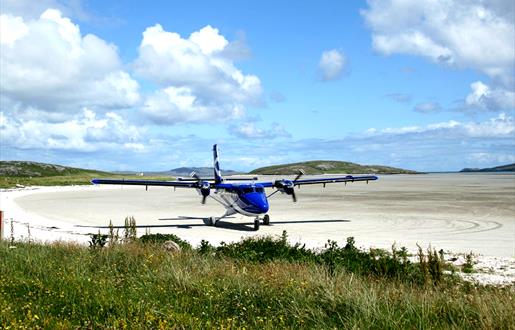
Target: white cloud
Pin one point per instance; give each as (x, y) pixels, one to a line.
(249, 130)
(500, 126)
(198, 67)
(439, 146)
(13, 28)
(134, 146)
(87, 132)
(483, 97)
(209, 40)
(503, 125)
(491, 158)
(49, 66)
(473, 34)
(427, 107)
(173, 105)
(467, 34)
(331, 64)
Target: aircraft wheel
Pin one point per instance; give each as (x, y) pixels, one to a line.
(256, 224)
(266, 219)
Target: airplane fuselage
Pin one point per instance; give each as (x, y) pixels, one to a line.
(246, 199)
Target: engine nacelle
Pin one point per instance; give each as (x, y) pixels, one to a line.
(284, 186)
(205, 188)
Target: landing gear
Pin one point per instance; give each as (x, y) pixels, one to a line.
(266, 220)
(211, 221)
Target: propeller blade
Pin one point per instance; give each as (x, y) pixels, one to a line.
(293, 196)
(301, 173)
(195, 175)
(203, 199)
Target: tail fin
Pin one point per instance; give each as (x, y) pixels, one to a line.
(216, 166)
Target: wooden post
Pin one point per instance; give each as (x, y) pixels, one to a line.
(1, 225)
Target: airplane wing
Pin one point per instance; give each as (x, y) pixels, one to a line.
(348, 178)
(297, 182)
(288, 186)
(147, 183)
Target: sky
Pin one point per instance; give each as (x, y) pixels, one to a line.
(150, 86)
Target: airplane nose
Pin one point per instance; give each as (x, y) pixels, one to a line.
(259, 201)
(263, 207)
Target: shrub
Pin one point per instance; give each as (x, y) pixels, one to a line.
(206, 248)
(161, 238)
(468, 266)
(97, 241)
(376, 262)
(265, 248)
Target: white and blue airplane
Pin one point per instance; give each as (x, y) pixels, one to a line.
(245, 197)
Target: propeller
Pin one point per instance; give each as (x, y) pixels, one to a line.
(203, 186)
(301, 173)
(204, 190)
(288, 186)
(293, 196)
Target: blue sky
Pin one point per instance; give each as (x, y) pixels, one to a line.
(426, 85)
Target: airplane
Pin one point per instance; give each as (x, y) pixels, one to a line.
(246, 198)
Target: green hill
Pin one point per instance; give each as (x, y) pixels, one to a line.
(25, 173)
(327, 167)
(24, 169)
(503, 168)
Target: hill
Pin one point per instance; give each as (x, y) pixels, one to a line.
(201, 171)
(502, 168)
(326, 166)
(25, 173)
(33, 169)
(183, 172)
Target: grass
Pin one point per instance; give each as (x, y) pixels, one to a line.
(66, 180)
(257, 283)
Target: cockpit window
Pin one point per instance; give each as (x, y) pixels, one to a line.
(253, 189)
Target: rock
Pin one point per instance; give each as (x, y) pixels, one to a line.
(171, 246)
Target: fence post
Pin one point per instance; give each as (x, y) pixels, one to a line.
(1, 225)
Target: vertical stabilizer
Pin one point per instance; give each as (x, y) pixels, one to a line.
(216, 165)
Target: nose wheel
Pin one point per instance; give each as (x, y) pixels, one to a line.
(266, 221)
